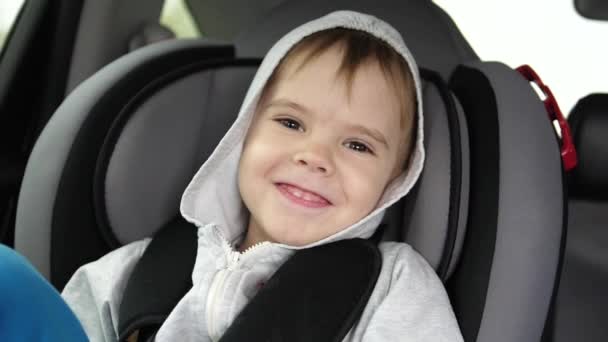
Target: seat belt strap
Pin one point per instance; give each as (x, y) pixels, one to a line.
(162, 276)
(316, 295)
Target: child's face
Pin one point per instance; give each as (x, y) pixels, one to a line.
(316, 158)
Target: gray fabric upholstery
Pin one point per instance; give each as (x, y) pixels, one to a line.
(160, 148)
(428, 218)
(229, 89)
(439, 47)
(223, 19)
(104, 32)
(149, 34)
(530, 199)
(465, 191)
(152, 160)
(582, 303)
(43, 172)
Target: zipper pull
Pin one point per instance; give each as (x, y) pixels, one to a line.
(234, 259)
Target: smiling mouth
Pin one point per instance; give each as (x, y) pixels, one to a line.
(302, 197)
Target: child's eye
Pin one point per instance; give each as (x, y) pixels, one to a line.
(359, 147)
(290, 123)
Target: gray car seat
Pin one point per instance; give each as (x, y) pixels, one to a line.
(109, 29)
(428, 30)
(487, 213)
(582, 302)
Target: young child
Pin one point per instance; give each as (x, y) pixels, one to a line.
(329, 135)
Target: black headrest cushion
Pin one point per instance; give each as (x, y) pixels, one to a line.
(589, 123)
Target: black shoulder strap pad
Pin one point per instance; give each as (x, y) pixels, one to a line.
(160, 279)
(317, 295)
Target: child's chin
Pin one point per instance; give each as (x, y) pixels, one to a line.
(296, 241)
(300, 240)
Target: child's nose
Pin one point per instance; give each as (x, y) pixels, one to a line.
(316, 159)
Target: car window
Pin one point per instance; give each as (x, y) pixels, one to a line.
(9, 9)
(176, 16)
(566, 49)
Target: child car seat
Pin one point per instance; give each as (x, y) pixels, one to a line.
(488, 212)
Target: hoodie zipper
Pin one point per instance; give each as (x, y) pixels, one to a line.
(218, 285)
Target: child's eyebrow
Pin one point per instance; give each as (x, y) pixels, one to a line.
(287, 103)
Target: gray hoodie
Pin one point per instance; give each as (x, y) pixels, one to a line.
(408, 303)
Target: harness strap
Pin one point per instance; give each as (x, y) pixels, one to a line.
(316, 295)
(159, 280)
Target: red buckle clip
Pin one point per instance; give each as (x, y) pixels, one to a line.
(568, 151)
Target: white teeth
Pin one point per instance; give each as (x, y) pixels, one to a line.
(311, 197)
(296, 193)
(307, 196)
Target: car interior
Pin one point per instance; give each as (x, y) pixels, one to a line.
(582, 299)
(121, 114)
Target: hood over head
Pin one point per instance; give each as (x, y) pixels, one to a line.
(213, 196)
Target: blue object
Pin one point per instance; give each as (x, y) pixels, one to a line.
(30, 308)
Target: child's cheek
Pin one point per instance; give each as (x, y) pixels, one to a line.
(368, 184)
